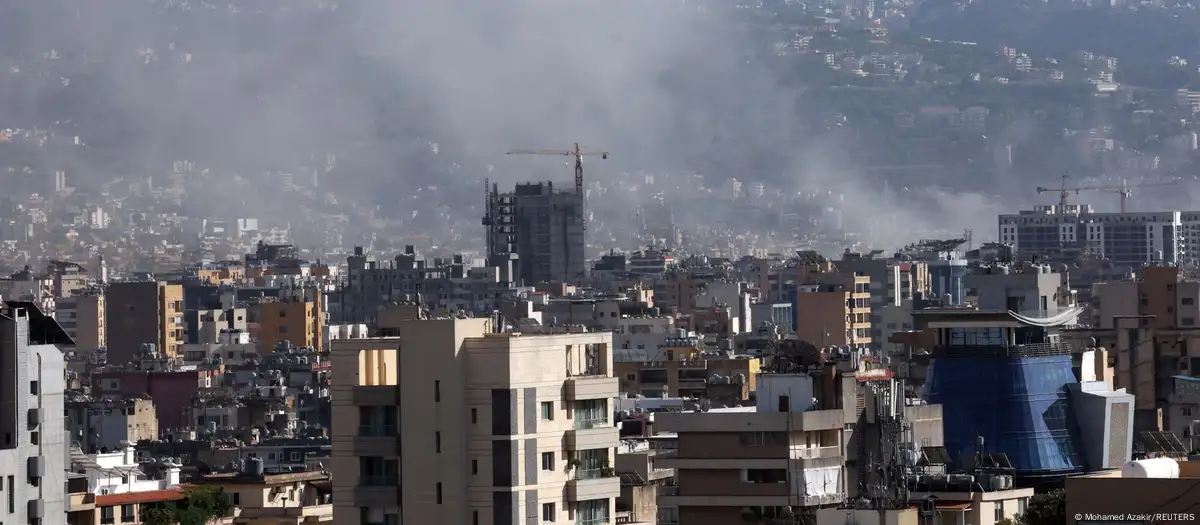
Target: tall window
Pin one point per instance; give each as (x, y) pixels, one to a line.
(591, 413)
(591, 512)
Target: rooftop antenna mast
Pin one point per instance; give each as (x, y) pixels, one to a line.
(578, 154)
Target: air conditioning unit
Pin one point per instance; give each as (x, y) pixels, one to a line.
(36, 467)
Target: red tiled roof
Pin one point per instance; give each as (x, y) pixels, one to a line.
(149, 496)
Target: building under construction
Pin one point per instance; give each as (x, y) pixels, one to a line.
(535, 233)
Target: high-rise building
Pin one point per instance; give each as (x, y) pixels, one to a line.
(445, 422)
(1069, 232)
(33, 445)
(536, 233)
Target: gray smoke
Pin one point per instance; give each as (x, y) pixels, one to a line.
(412, 94)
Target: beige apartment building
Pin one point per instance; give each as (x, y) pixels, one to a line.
(83, 318)
(447, 423)
(832, 308)
(767, 462)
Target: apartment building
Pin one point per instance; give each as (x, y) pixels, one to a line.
(450, 283)
(144, 312)
(444, 421)
(108, 424)
(33, 447)
(1160, 293)
(1066, 232)
(744, 464)
(83, 318)
(289, 320)
(681, 367)
(832, 308)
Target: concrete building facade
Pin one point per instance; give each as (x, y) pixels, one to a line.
(447, 422)
(538, 231)
(33, 447)
(145, 312)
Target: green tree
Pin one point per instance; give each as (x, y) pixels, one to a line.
(1049, 508)
(199, 506)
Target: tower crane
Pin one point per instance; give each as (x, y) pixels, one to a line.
(1123, 190)
(578, 154)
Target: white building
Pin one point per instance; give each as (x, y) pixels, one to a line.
(33, 444)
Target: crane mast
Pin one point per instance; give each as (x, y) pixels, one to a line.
(579, 155)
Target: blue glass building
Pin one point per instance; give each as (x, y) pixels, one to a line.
(1006, 383)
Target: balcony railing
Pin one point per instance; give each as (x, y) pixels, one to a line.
(379, 481)
(595, 473)
(376, 430)
(815, 452)
(601, 520)
(588, 424)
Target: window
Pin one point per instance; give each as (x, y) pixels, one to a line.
(766, 475)
(439, 493)
(474, 517)
(761, 439)
(106, 515)
(34, 389)
(1187, 301)
(474, 416)
(999, 511)
(548, 461)
(437, 391)
(784, 404)
(1187, 411)
(236, 498)
(474, 467)
(437, 442)
(296, 457)
(548, 512)
(547, 411)
(127, 514)
(1022, 505)
(35, 438)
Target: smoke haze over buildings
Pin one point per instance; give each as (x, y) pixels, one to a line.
(409, 95)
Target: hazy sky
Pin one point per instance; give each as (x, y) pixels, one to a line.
(664, 85)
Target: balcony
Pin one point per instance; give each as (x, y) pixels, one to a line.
(377, 491)
(749, 421)
(815, 457)
(376, 445)
(375, 396)
(590, 434)
(591, 387)
(314, 513)
(590, 484)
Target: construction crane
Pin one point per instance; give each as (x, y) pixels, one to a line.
(1123, 190)
(578, 154)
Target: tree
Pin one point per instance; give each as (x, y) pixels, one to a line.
(199, 506)
(1046, 509)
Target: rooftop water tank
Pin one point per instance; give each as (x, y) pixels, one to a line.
(1151, 468)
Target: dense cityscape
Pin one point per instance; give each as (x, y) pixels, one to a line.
(675, 263)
